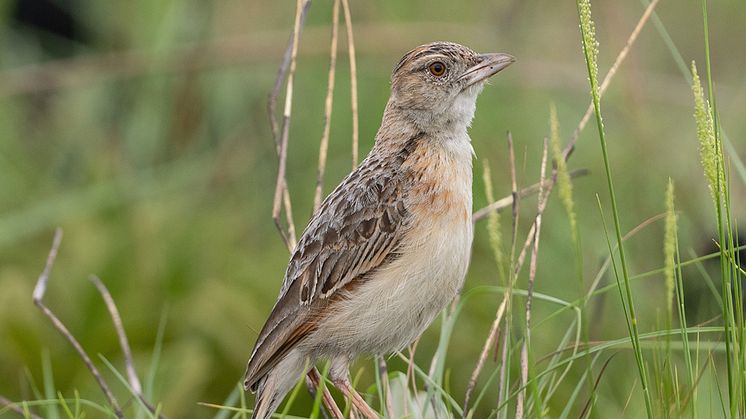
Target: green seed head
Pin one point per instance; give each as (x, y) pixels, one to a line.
(669, 246)
(563, 177)
(708, 148)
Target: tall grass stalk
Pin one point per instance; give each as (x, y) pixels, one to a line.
(673, 259)
(729, 275)
(711, 152)
(669, 383)
(564, 184)
(590, 50)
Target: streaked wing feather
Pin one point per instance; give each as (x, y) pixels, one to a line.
(356, 230)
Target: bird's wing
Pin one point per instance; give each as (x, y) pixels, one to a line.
(357, 229)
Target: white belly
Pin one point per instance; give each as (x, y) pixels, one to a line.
(393, 307)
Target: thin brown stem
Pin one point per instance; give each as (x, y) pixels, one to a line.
(510, 277)
(353, 81)
(508, 201)
(411, 377)
(610, 75)
(524, 250)
(281, 191)
(116, 319)
(543, 197)
(289, 219)
(495, 328)
(280, 197)
(516, 197)
(289, 236)
(384, 377)
(491, 337)
(324, 144)
(38, 296)
(132, 379)
(281, 74)
(13, 406)
(501, 388)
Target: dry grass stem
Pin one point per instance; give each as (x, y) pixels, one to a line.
(353, 80)
(15, 408)
(282, 196)
(116, 319)
(328, 103)
(38, 296)
(543, 197)
(507, 201)
(589, 402)
(610, 75)
(494, 329)
(515, 197)
(526, 245)
(491, 337)
(123, 342)
(384, 377)
(281, 74)
(41, 285)
(411, 377)
(501, 390)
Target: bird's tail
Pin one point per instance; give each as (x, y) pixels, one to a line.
(272, 388)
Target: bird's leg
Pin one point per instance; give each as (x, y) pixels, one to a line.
(339, 374)
(346, 388)
(314, 380)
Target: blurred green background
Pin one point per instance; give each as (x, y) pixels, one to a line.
(141, 129)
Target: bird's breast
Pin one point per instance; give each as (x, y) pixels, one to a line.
(440, 179)
(399, 300)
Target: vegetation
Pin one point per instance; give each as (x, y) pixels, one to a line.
(142, 132)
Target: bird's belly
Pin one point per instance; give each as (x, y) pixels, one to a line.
(397, 303)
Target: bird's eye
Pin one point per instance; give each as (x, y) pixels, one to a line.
(437, 69)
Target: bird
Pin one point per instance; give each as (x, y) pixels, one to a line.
(389, 247)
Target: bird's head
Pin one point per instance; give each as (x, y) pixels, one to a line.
(437, 84)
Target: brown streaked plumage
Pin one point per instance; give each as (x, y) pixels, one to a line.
(389, 247)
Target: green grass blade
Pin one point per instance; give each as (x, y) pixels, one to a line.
(590, 50)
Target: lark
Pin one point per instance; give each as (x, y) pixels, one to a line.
(389, 248)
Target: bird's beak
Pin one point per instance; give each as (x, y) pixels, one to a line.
(487, 66)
